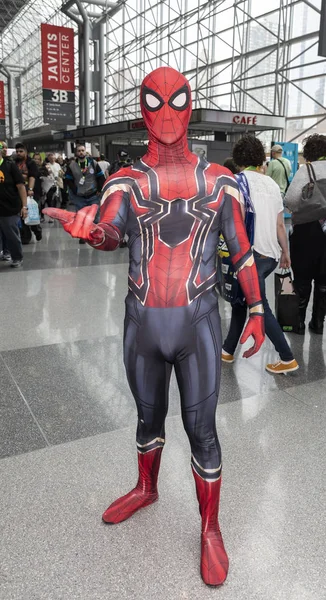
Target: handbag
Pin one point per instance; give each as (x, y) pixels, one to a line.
(312, 204)
(229, 287)
(286, 301)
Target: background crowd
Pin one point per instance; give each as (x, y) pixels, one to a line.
(52, 181)
(56, 182)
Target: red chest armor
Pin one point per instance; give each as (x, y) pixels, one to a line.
(169, 203)
(173, 226)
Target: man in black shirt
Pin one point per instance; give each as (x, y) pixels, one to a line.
(37, 158)
(29, 171)
(13, 203)
(27, 167)
(123, 160)
(85, 180)
(4, 252)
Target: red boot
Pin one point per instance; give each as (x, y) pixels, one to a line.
(143, 494)
(214, 560)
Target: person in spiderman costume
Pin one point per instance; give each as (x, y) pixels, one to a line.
(173, 204)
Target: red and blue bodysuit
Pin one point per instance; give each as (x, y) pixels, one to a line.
(173, 205)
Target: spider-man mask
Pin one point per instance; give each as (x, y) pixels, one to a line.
(165, 99)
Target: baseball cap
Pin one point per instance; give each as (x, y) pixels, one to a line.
(277, 148)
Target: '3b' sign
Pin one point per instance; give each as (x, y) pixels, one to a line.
(59, 107)
(59, 96)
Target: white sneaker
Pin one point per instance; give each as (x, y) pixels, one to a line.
(16, 263)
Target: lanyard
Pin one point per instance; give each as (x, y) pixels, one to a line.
(83, 170)
(251, 168)
(1, 161)
(322, 158)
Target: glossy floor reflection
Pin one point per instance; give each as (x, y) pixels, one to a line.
(67, 424)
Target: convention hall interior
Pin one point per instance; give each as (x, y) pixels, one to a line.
(162, 192)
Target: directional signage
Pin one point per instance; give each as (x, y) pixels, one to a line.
(2, 112)
(58, 75)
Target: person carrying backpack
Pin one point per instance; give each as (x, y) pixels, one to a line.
(268, 240)
(308, 238)
(279, 169)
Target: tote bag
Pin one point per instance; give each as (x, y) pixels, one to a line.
(286, 302)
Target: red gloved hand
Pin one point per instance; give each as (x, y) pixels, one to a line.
(80, 224)
(256, 328)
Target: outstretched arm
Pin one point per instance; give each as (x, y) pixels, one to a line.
(107, 234)
(113, 212)
(235, 235)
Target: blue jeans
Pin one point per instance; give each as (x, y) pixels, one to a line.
(265, 266)
(3, 245)
(81, 202)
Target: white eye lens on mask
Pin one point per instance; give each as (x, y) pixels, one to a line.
(180, 100)
(152, 101)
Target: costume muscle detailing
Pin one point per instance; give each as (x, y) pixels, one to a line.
(172, 205)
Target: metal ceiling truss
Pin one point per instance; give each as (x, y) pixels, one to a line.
(8, 11)
(244, 55)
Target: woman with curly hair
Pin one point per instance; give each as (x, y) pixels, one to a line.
(308, 241)
(270, 246)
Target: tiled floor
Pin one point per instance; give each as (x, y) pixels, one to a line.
(67, 425)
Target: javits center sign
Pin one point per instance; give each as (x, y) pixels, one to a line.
(2, 112)
(58, 75)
